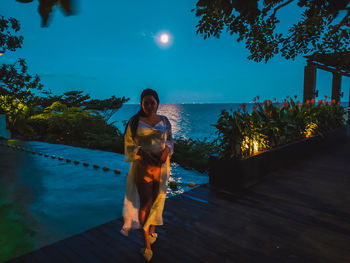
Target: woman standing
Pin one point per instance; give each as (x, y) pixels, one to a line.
(148, 146)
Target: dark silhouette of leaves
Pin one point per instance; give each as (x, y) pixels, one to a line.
(318, 31)
(46, 6)
(8, 41)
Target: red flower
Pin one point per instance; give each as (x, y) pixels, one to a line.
(333, 101)
(307, 102)
(313, 101)
(339, 103)
(257, 97)
(295, 96)
(290, 109)
(270, 112)
(319, 102)
(244, 105)
(326, 97)
(285, 104)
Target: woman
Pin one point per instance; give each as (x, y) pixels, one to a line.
(148, 146)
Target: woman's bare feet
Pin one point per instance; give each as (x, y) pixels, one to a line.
(153, 238)
(146, 253)
(152, 234)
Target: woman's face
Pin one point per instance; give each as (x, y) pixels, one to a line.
(149, 105)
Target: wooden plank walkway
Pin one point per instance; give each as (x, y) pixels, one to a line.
(299, 214)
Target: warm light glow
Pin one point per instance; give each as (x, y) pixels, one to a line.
(254, 145)
(310, 129)
(2, 53)
(250, 147)
(164, 38)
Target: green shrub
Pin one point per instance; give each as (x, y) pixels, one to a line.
(191, 153)
(75, 126)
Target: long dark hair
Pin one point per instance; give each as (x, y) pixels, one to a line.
(134, 120)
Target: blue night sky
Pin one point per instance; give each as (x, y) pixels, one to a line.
(112, 49)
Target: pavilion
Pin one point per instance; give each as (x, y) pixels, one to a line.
(337, 63)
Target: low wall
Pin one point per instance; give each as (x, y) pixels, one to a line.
(237, 174)
(4, 133)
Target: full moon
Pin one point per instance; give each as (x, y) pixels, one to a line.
(164, 38)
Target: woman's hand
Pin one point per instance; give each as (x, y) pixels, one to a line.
(145, 156)
(165, 154)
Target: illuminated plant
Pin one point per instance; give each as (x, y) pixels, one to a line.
(242, 134)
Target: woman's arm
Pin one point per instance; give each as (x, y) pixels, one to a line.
(170, 139)
(169, 144)
(130, 148)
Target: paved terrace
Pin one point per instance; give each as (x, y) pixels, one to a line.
(299, 214)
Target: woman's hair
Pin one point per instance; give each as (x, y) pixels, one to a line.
(134, 120)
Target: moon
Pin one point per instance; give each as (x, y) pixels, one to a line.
(164, 38)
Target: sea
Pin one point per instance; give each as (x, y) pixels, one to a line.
(193, 121)
(187, 120)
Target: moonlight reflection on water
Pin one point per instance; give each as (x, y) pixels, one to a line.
(178, 118)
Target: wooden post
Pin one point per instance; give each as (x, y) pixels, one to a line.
(309, 82)
(336, 86)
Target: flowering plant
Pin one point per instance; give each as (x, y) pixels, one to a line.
(242, 134)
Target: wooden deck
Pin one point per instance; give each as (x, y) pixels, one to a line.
(299, 214)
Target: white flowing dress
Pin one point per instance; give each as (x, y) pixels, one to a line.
(152, 139)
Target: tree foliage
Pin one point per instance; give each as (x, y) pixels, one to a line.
(17, 82)
(108, 107)
(72, 98)
(9, 41)
(322, 28)
(46, 6)
(16, 91)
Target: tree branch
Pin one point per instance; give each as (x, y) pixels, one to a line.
(280, 6)
(342, 22)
